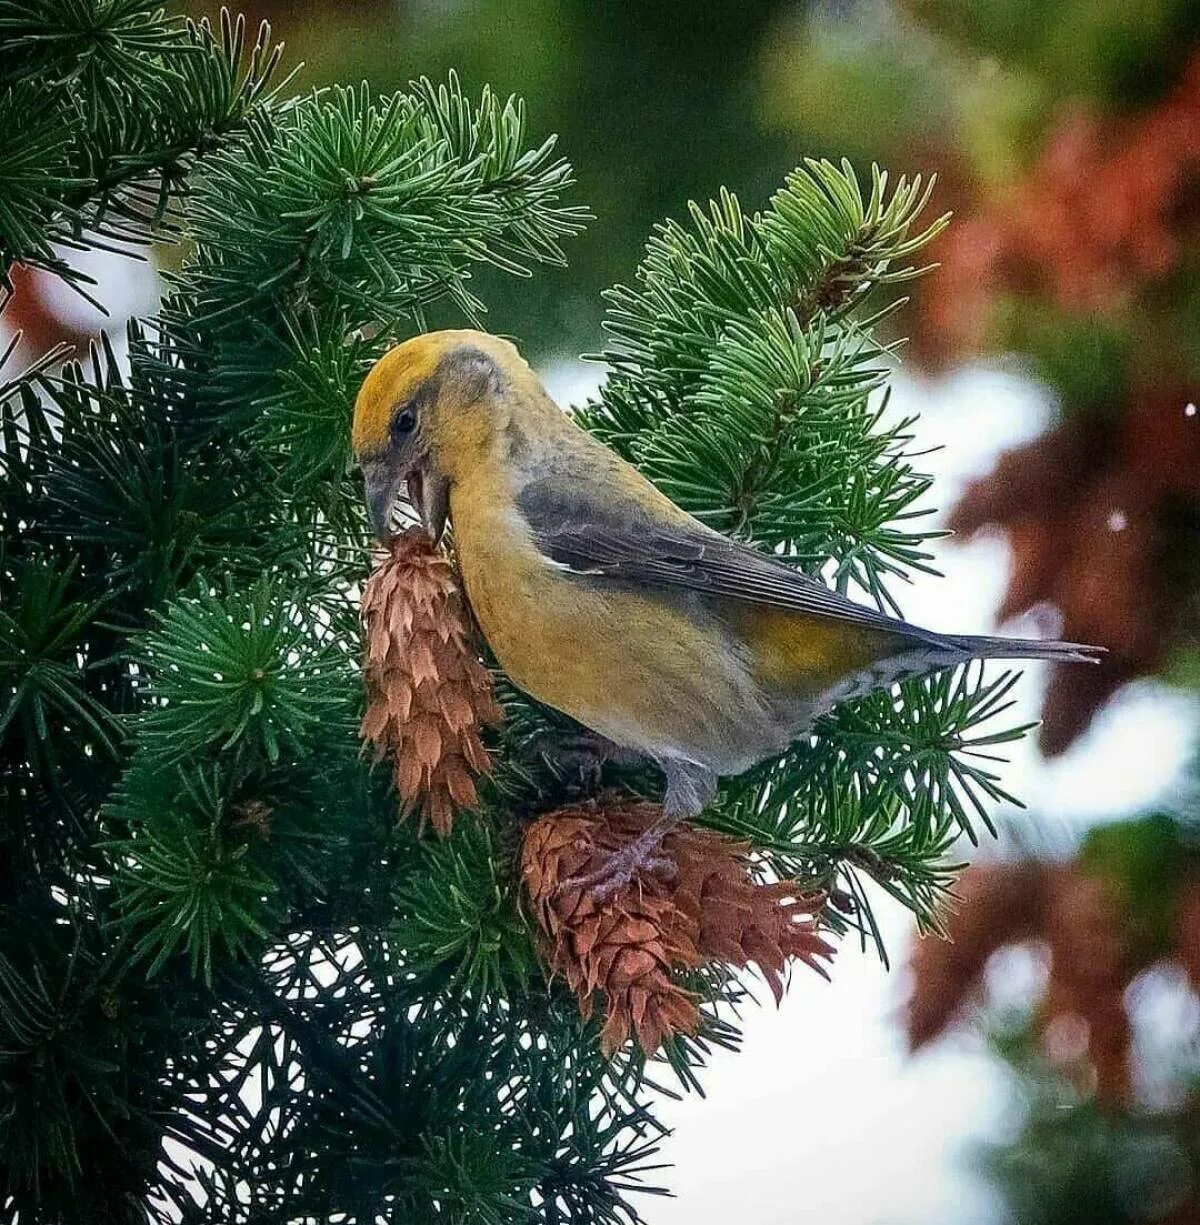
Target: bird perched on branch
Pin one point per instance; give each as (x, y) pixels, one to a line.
(602, 598)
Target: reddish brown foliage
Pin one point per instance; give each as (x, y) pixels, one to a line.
(1093, 958)
(1108, 211)
(32, 312)
(1000, 904)
(1093, 517)
(1099, 215)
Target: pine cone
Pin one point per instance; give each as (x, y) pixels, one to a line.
(428, 694)
(632, 948)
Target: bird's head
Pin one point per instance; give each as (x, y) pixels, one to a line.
(426, 408)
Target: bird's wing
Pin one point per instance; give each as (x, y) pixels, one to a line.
(578, 529)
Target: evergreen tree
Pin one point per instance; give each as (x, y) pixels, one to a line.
(233, 985)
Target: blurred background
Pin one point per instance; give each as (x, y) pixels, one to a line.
(1044, 1066)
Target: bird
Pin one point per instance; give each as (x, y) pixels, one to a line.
(602, 598)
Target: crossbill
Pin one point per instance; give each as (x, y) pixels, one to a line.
(602, 598)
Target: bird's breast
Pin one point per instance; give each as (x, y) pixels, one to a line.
(642, 668)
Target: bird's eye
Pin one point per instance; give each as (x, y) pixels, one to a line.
(404, 423)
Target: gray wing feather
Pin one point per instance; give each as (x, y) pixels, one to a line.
(574, 529)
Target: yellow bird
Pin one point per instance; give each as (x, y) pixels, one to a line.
(602, 598)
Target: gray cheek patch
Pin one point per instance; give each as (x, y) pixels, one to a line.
(471, 373)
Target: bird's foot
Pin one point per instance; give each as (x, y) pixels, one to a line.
(583, 755)
(643, 856)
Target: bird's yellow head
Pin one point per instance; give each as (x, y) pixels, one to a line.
(424, 409)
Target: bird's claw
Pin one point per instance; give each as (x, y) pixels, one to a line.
(582, 756)
(641, 857)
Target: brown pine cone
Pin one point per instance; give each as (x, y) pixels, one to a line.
(632, 949)
(428, 693)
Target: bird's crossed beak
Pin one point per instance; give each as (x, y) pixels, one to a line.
(428, 491)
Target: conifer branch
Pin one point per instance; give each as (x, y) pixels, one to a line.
(214, 929)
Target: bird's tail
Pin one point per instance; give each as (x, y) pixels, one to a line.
(978, 646)
(934, 652)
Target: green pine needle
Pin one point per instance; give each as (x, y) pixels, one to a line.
(240, 670)
(186, 880)
(457, 913)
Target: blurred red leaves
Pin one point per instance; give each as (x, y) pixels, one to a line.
(1096, 949)
(1102, 513)
(1096, 518)
(1108, 206)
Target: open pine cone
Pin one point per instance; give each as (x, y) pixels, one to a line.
(428, 694)
(632, 949)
